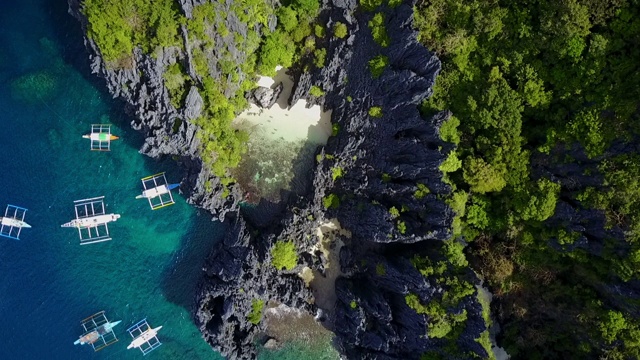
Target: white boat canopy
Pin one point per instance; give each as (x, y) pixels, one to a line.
(144, 337)
(12, 223)
(91, 220)
(157, 191)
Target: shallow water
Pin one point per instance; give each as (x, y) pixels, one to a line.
(284, 123)
(282, 143)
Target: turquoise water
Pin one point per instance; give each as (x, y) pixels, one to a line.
(48, 282)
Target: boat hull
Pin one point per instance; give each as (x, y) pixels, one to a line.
(13, 222)
(100, 137)
(92, 221)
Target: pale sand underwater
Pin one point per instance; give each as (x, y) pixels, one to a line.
(283, 123)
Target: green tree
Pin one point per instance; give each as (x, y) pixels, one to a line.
(375, 111)
(277, 49)
(377, 65)
(340, 30)
(287, 18)
(284, 255)
(482, 177)
(378, 30)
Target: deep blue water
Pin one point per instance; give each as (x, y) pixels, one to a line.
(48, 281)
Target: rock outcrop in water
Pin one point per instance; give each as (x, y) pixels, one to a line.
(265, 97)
(372, 165)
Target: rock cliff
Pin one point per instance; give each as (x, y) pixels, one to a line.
(345, 229)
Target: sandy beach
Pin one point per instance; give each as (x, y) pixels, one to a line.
(281, 123)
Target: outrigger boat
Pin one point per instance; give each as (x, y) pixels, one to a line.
(98, 331)
(157, 190)
(144, 337)
(12, 223)
(91, 220)
(100, 137)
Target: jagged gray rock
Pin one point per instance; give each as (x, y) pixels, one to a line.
(265, 97)
(168, 131)
(382, 161)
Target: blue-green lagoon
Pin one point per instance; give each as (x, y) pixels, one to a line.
(48, 281)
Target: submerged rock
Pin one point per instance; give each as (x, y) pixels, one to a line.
(271, 344)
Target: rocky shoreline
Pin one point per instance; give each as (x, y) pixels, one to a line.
(382, 159)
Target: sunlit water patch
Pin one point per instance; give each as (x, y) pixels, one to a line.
(282, 142)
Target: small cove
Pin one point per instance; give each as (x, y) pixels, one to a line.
(282, 142)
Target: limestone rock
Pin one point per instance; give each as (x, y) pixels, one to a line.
(265, 97)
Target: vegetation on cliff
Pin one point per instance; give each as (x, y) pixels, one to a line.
(525, 81)
(119, 26)
(284, 255)
(229, 44)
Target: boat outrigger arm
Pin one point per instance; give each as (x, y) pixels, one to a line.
(94, 335)
(98, 331)
(144, 337)
(157, 191)
(100, 137)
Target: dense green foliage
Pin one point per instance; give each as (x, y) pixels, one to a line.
(331, 201)
(118, 26)
(336, 173)
(176, 82)
(445, 315)
(316, 91)
(535, 77)
(370, 5)
(377, 65)
(375, 111)
(255, 316)
(340, 30)
(284, 255)
(293, 37)
(378, 31)
(421, 191)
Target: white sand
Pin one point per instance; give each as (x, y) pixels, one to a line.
(280, 123)
(329, 243)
